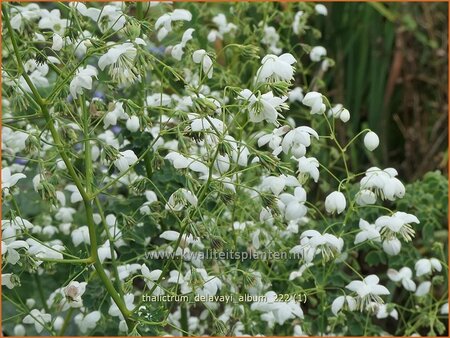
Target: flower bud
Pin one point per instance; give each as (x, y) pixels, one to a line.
(335, 202)
(392, 246)
(133, 124)
(371, 141)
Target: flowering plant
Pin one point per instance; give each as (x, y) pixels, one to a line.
(138, 136)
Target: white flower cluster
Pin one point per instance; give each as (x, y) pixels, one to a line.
(163, 136)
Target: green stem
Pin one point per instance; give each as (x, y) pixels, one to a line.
(66, 322)
(87, 146)
(90, 219)
(41, 293)
(184, 320)
(67, 261)
(99, 267)
(139, 9)
(111, 247)
(86, 198)
(43, 105)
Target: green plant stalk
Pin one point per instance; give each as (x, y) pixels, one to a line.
(41, 293)
(184, 319)
(90, 219)
(86, 198)
(66, 322)
(111, 247)
(139, 10)
(68, 261)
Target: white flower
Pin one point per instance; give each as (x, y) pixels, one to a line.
(339, 112)
(383, 183)
(309, 166)
(52, 251)
(404, 275)
(76, 195)
(368, 290)
(114, 310)
(185, 240)
(444, 309)
(10, 247)
(178, 200)
(335, 202)
(28, 12)
(127, 270)
(13, 141)
(87, 322)
(296, 24)
(277, 311)
(276, 68)
(133, 124)
(273, 139)
(239, 151)
(177, 50)
(37, 76)
(312, 243)
(369, 232)
(38, 318)
(297, 140)
(339, 302)
(296, 274)
(112, 116)
(8, 180)
(295, 204)
(164, 22)
(151, 198)
(120, 59)
(222, 163)
(104, 252)
(207, 124)
(321, 9)
(82, 79)
(426, 266)
(298, 331)
(158, 99)
(384, 313)
(150, 277)
(276, 184)
(181, 162)
(81, 235)
(271, 39)
(423, 289)
(52, 20)
(10, 280)
(19, 330)
(263, 107)
(392, 246)
(371, 141)
(317, 53)
(222, 24)
(366, 197)
(211, 285)
(265, 216)
(57, 42)
(314, 100)
(73, 293)
(296, 95)
(126, 159)
(200, 56)
(398, 223)
(109, 17)
(65, 215)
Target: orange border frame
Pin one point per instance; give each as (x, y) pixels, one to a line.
(221, 1)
